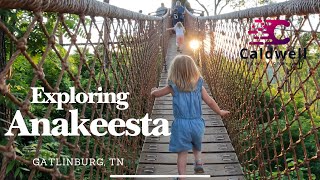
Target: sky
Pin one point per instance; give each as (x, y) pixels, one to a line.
(148, 6)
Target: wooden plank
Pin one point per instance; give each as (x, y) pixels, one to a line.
(160, 102)
(171, 158)
(208, 130)
(169, 98)
(210, 123)
(166, 100)
(169, 106)
(206, 117)
(211, 178)
(212, 169)
(220, 160)
(206, 147)
(170, 111)
(212, 138)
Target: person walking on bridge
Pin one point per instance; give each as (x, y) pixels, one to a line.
(180, 30)
(178, 13)
(186, 86)
(162, 10)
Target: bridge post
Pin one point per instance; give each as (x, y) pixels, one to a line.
(106, 31)
(163, 47)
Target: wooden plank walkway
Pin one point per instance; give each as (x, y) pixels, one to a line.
(220, 160)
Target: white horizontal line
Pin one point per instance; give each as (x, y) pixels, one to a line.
(159, 176)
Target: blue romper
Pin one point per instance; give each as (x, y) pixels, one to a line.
(188, 126)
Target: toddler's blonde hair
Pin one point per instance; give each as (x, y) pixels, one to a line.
(184, 73)
(179, 25)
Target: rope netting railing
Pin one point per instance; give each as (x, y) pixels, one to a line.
(274, 99)
(85, 44)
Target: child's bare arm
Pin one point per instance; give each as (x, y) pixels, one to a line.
(212, 103)
(156, 92)
(170, 29)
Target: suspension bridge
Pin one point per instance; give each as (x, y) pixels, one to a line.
(271, 133)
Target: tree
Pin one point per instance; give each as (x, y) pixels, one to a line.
(204, 7)
(219, 5)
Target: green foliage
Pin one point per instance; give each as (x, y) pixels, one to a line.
(283, 115)
(274, 103)
(47, 150)
(22, 75)
(18, 169)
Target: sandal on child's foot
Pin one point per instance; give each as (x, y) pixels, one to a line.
(198, 167)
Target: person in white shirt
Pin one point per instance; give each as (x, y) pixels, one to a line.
(161, 11)
(180, 30)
